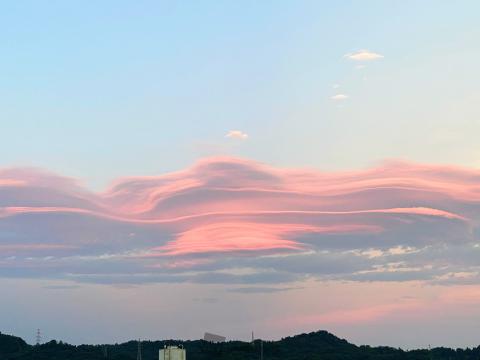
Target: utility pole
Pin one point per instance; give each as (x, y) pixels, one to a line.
(261, 349)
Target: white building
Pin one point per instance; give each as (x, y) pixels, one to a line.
(172, 353)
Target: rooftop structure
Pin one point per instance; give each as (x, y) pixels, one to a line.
(214, 338)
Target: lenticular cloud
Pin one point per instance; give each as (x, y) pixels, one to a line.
(395, 222)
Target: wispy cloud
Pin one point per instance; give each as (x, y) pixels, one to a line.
(228, 220)
(339, 97)
(236, 134)
(363, 55)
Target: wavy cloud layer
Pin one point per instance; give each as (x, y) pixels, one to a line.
(235, 221)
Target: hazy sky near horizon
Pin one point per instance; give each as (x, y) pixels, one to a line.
(229, 166)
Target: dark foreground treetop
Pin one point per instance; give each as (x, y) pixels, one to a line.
(319, 345)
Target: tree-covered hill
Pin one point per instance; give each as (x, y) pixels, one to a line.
(11, 345)
(319, 345)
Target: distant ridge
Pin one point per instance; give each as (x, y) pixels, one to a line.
(320, 345)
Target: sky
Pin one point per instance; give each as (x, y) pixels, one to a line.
(169, 168)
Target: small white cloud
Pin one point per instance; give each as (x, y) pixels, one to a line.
(335, 86)
(364, 55)
(339, 97)
(360, 67)
(237, 134)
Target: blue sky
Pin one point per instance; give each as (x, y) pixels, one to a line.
(100, 90)
(255, 106)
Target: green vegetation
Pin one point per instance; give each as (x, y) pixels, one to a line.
(319, 345)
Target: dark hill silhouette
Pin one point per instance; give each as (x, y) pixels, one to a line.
(11, 345)
(320, 345)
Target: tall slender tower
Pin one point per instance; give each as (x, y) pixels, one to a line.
(139, 350)
(38, 337)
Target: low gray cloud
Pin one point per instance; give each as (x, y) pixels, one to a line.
(261, 290)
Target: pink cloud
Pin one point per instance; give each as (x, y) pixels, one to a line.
(236, 206)
(365, 314)
(377, 307)
(241, 236)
